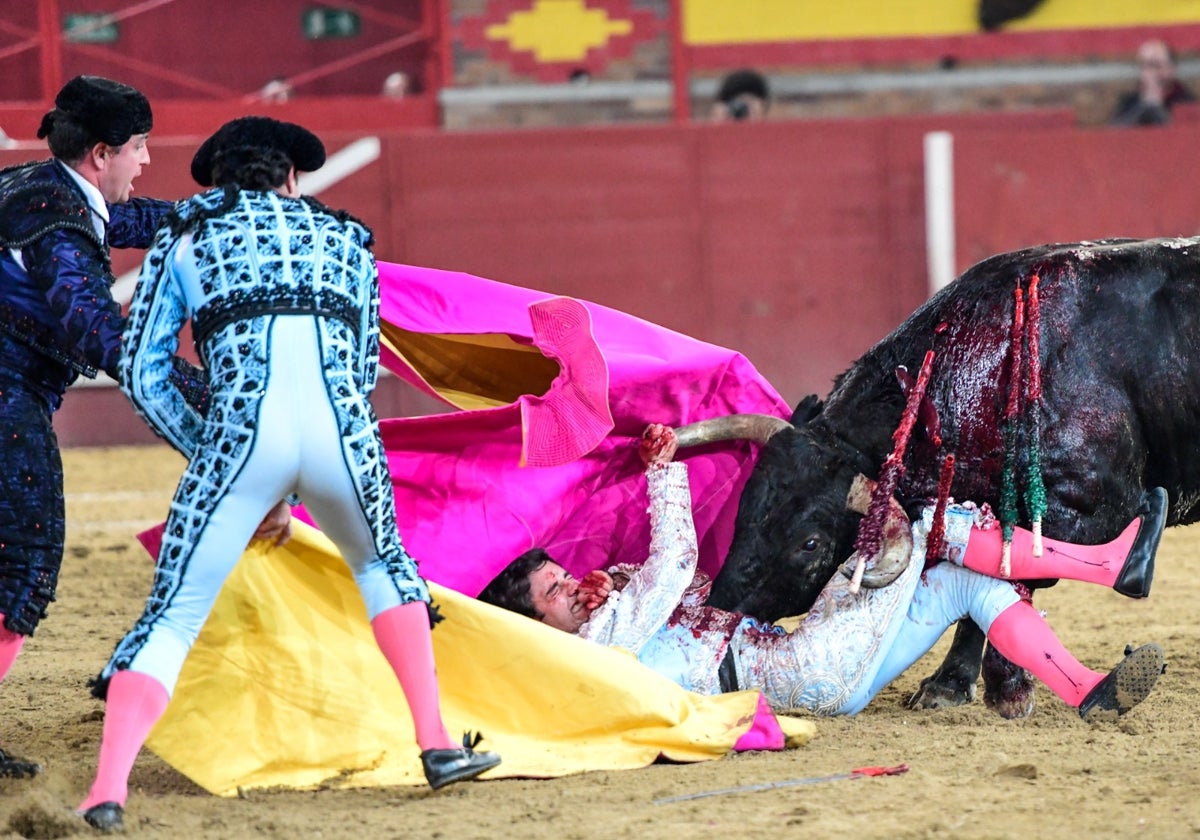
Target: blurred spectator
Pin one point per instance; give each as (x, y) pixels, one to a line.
(743, 95)
(1158, 89)
(277, 90)
(396, 85)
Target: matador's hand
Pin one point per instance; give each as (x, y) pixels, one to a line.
(276, 525)
(658, 445)
(594, 589)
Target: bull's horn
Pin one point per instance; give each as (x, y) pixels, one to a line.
(755, 427)
(893, 558)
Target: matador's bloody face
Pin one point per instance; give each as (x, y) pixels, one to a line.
(555, 595)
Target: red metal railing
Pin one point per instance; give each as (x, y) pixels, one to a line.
(421, 34)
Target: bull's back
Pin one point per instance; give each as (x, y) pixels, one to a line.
(1118, 358)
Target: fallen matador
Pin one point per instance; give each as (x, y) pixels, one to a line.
(853, 642)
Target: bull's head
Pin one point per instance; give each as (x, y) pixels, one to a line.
(793, 528)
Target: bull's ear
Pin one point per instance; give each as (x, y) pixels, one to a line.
(807, 409)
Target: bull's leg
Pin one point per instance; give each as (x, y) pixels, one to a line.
(953, 683)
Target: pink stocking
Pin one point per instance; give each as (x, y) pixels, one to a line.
(402, 633)
(1024, 638)
(135, 703)
(10, 645)
(1089, 563)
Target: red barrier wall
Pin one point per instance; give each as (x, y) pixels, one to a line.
(797, 243)
(1063, 185)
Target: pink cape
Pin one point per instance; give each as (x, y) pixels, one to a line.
(557, 468)
(552, 465)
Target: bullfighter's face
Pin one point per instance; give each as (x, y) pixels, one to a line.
(556, 598)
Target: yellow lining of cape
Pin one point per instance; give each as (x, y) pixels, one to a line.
(472, 371)
(285, 687)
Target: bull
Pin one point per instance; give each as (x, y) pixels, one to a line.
(1118, 352)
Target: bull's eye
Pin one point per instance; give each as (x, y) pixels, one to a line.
(810, 544)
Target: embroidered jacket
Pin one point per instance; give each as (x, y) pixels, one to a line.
(260, 255)
(55, 300)
(822, 665)
(659, 614)
(59, 301)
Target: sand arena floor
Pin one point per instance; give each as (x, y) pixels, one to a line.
(972, 773)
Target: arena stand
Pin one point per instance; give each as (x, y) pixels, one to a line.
(798, 241)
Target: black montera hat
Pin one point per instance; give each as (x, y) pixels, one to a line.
(107, 110)
(303, 148)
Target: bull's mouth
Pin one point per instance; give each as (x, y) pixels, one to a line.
(751, 597)
(896, 552)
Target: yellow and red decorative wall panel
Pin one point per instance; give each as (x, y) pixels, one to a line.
(550, 39)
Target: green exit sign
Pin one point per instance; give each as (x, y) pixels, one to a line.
(90, 29)
(323, 22)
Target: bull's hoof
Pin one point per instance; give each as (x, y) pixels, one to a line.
(1012, 702)
(1007, 687)
(1011, 696)
(936, 695)
(12, 767)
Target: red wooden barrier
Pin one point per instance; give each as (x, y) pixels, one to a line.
(1062, 185)
(797, 243)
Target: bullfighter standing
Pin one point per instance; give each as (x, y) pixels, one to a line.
(58, 218)
(283, 296)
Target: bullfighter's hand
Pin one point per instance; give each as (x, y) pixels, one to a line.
(659, 445)
(276, 525)
(594, 589)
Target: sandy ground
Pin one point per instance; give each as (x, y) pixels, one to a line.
(971, 773)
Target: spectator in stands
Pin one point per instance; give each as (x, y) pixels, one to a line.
(743, 95)
(396, 86)
(276, 91)
(1158, 88)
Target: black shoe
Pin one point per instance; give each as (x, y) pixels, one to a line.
(1138, 571)
(1125, 686)
(107, 817)
(17, 768)
(444, 767)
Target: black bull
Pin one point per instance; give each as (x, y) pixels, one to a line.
(1120, 412)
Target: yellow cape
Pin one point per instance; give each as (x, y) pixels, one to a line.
(286, 687)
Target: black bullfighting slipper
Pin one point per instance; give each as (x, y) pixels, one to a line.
(107, 817)
(12, 767)
(1138, 571)
(444, 767)
(1125, 686)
